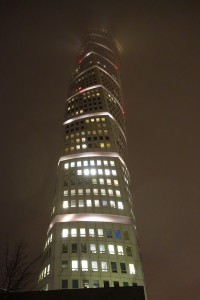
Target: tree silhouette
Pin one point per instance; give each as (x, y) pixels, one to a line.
(16, 270)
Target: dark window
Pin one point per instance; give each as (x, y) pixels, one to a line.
(64, 284)
(114, 267)
(116, 283)
(75, 283)
(126, 236)
(106, 283)
(125, 283)
(83, 247)
(64, 264)
(123, 267)
(74, 248)
(109, 233)
(128, 251)
(64, 248)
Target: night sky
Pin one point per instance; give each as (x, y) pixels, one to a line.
(39, 43)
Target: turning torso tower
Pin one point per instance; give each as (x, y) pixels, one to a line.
(91, 240)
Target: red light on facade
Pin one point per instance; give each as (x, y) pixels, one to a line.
(117, 68)
(80, 61)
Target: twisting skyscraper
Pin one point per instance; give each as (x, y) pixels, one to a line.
(91, 240)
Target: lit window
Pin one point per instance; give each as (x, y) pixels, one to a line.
(100, 171)
(80, 203)
(104, 266)
(101, 180)
(108, 145)
(120, 205)
(114, 173)
(102, 145)
(73, 203)
(105, 162)
(83, 140)
(92, 163)
(118, 193)
(82, 232)
(87, 191)
(91, 232)
(89, 203)
(65, 193)
(110, 192)
(73, 232)
(118, 234)
(48, 269)
(95, 191)
(94, 266)
(131, 269)
(77, 140)
(116, 182)
(74, 265)
(79, 172)
(86, 172)
(65, 204)
(65, 232)
(93, 172)
(108, 181)
(98, 163)
(93, 248)
(100, 232)
(96, 203)
(72, 164)
(105, 203)
(107, 172)
(80, 191)
(112, 163)
(78, 147)
(84, 146)
(103, 192)
(120, 250)
(112, 204)
(92, 120)
(73, 192)
(85, 163)
(111, 249)
(94, 181)
(66, 166)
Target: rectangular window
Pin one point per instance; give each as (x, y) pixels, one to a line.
(80, 203)
(74, 265)
(93, 248)
(105, 203)
(112, 163)
(94, 181)
(102, 248)
(93, 172)
(73, 203)
(118, 193)
(98, 163)
(85, 163)
(83, 248)
(80, 191)
(100, 232)
(75, 283)
(116, 182)
(108, 181)
(64, 264)
(94, 266)
(112, 204)
(73, 192)
(89, 203)
(84, 265)
(79, 172)
(92, 163)
(96, 203)
(82, 232)
(114, 267)
(101, 180)
(86, 283)
(72, 164)
(73, 232)
(120, 250)
(128, 251)
(87, 191)
(107, 172)
(105, 162)
(110, 192)
(125, 283)
(109, 233)
(65, 204)
(111, 249)
(120, 205)
(95, 191)
(114, 173)
(74, 248)
(64, 284)
(126, 235)
(100, 171)
(131, 269)
(91, 232)
(123, 267)
(95, 283)
(104, 266)
(103, 192)
(66, 166)
(116, 283)
(78, 163)
(65, 193)
(64, 248)
(65, 233)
